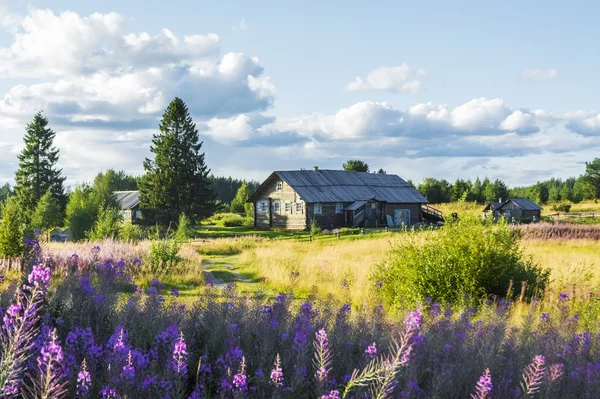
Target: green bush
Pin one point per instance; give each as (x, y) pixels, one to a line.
(11, 229)
(164, 254)
(561, 207)
(464, 261)
(131, 232)
(184, 230)
(348, 231)
(107, 225)
(314, 228)
(237, 221)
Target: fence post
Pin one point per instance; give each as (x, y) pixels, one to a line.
(310, 238)
(338, 234)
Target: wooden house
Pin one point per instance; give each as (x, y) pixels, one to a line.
(129, 202)
(519, 209)
(335, 198)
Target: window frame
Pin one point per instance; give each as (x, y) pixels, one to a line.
(279, 186)
(287, 204)
(299, 204)
(339, 206)
(318, 208)
(276, 207)
(262, 206)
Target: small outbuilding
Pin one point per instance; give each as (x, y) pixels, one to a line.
(129, 202)
(518, 209)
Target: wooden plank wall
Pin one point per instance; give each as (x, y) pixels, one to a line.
(291, 220)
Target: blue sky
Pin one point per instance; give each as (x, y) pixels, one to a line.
(442, 89)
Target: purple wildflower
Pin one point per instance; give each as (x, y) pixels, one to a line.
(175, 292)
(563, 297)
(84, 381)
(335, 394)
(128, 371)
(239, 380)
(277, 373)
(484, 386)
(533, 375)
(556, 371)
(180, 356)
(109, 393)
(52, 371)
(39, 276)
(545, 317)
(371, 350)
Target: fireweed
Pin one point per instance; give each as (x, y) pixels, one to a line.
(151, 345)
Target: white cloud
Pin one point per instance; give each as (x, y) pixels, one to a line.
(232, 129)
(391, 79)
(540, 73)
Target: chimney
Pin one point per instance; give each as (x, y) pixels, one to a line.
(316, 168)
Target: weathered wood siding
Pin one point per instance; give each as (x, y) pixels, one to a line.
(415, 211)
(329, 219)
(294, 218)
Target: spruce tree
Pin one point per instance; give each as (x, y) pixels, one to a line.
(11, 230)
(47, 213)
(37, 172)
(177, 179)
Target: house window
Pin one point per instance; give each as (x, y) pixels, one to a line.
(276, 207)
(279, 186)
(262, 206)
(299, 207)
(338, 207)
(318, 208)
(288, 206)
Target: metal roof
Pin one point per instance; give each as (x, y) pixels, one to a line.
(341, 186)
(127, 199)
(492, 205)
(524, 203)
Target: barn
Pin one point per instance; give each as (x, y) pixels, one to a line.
(129, 202)
(293, 199)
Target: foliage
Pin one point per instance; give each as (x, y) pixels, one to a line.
(176, 180)
(230, 344)
(106, 183)
(240, 203)
(562, 207)
(314, 228)
(496, 191)
(11, 229)
(130, 232)
(184, 230)
(5, 192)
(225, 188)
(164, 254)
(47, 213)
(37, 172)
(107, 225)
(355, 165)
(436, 191)
(237, 221)
(467, 258)
(82, 211)
(592, 175)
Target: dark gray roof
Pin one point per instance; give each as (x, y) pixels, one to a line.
(524, 203)
(492, 205)
(128, 199)
(341, 186)
(355, 205)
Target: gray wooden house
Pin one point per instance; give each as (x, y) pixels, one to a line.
(129, 202)
(514, 208)
(336, 198)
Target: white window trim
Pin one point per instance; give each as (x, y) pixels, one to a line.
(285, 207)
(279, 186)
(298, 203)
(276, 209)
(318, 208)
(262, 206)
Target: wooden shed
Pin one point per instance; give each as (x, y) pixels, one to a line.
(520, 209)
(335, 198)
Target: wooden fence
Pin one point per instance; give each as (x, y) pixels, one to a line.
(578, 215)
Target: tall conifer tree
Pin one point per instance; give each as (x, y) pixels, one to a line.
(177, 179)
(37, 172)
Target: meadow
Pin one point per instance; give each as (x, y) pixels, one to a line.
(253, 315)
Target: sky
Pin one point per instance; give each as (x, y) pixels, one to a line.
(461, 89)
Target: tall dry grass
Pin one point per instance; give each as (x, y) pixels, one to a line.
(340, 268)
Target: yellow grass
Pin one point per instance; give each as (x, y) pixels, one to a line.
(574, 265)
(324, 265)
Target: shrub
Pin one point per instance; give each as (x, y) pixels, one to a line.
(466, 259)
(562, 207)
(348, 231)
(107, 225)
(237, 221)
(130, 232)
(11, 230)
(314, 228)
(184, 230)
(164, 254)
